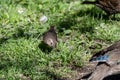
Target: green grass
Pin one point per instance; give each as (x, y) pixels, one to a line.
(82, 30)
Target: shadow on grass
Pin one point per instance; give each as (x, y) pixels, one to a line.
(93, 14)
(3, 40)
(97, 13)
(18, 34)
(5, 64)
(53, 76)
(70, 21)
(21, 33)
(66, 23)
(88, 18)
(45, 48)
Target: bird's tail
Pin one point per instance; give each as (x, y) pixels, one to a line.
(88, 2)
(103, 58)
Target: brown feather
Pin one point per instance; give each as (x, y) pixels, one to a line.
(109, 6)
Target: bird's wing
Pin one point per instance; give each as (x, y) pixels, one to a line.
(102, 58)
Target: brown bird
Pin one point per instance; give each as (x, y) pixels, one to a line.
(50, 37)
(109, 6)
(108, 62)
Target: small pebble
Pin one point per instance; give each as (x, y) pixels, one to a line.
(43, 19)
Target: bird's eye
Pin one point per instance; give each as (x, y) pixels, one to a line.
(51, 43)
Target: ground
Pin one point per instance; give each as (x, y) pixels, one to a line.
(82, 30)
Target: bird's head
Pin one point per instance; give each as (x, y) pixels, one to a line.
(51, 43)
